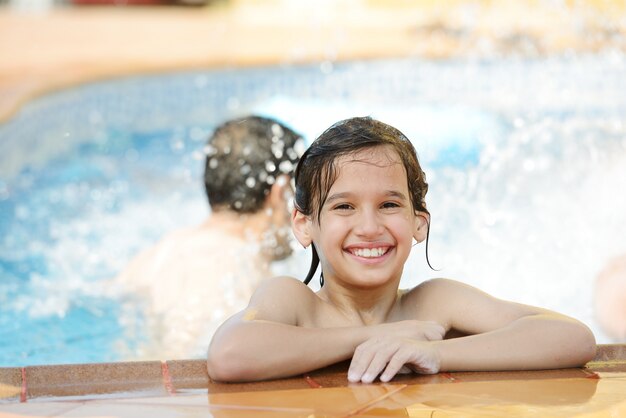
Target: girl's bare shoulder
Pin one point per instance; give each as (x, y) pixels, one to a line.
(283, 297)
(284, 285)
(432, 298)
(434, 288)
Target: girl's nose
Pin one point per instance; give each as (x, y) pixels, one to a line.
(369, 224)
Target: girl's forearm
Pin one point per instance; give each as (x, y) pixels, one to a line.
(256, 350)
(532, 342)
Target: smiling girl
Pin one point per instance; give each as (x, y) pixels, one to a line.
(359, 204)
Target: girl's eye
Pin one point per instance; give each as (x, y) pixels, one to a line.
(389, 205)
(343, 206)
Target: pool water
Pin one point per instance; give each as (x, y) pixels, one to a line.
(525, 160)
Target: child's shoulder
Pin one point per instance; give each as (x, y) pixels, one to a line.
(434, 290)
(437, 284)
(284, 282)
(282, 299)
(283, 288)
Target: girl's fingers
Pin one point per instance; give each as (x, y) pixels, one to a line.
(360, 362)
(396, 363)
(377, 365)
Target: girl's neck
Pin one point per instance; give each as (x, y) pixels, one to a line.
(363, 306)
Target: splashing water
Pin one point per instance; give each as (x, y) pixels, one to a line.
(525, 161)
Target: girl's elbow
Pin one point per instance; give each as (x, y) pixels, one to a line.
(585, 347)
(224, 365)
(222, 368)
(589, 347)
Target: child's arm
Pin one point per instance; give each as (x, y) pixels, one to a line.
(502, 336)
(265, 340)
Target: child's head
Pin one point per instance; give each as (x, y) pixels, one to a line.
(244, 157)
(317, 171)
(318, 168)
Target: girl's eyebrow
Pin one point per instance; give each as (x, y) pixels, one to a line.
(338, 196)
(344, 195)
(394, 193)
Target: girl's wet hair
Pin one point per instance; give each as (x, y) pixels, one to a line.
(317, 170)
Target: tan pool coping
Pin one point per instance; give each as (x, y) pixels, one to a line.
(167, 378)
(43, 52)
(183, 388)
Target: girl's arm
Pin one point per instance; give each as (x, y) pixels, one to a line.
(501, 336)
(507, 335)
(265, 340)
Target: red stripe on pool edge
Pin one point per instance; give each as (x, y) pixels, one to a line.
(590, 374)
(23, 391)
(167, 380)
(312, 382)
(452, 378)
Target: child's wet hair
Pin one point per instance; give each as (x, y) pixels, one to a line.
(244, 157)
(317, 170)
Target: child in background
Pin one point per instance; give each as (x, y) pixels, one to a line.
(195, 278)
(360, 204)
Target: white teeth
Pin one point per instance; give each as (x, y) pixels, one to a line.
(369, 252)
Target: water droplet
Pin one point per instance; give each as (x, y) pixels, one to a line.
(250, 182)
(277, 130)
(299, 147)
(277, 149)
(285, 166)
(209, 150)
(270, 166)
(177, 144)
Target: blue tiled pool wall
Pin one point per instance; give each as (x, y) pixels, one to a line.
(552, 85)
(72, 160)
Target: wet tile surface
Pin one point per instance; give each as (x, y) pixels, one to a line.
(513, 398)
(339, 401)
(182, 388)
(40, 408)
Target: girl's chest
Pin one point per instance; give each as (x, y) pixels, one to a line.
(328, 316)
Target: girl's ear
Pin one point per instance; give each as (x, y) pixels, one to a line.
(422, 223)
(301, 225)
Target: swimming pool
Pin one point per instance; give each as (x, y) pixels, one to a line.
(525, 160)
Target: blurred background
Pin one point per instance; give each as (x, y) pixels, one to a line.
(517, 110)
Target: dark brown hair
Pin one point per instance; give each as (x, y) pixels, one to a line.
(244, 157)
(316, 172)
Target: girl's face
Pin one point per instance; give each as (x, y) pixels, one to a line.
(367, 223)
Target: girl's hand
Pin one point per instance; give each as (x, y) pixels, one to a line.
(389, 356)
